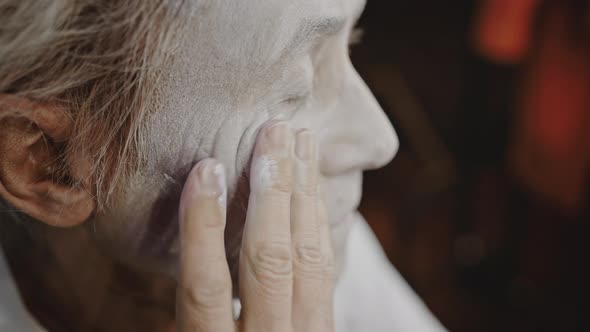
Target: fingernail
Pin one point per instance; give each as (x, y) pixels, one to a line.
(207, 178)
(211, 178)
(279, 135)
(305, 145)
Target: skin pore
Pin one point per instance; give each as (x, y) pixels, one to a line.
(239, 65)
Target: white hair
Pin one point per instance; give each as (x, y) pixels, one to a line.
(100, 59)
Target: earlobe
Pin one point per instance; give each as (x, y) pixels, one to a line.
(36, 175)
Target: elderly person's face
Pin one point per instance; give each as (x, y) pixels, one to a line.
(241, 64)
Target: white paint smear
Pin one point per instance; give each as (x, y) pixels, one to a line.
(264, 169)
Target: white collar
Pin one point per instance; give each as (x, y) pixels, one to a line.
(371, 295)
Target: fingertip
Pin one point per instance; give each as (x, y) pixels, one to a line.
(271, 168)
(276, 138)
(305, 145)
(206, 179)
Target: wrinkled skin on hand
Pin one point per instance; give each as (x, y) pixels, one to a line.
(286, 274)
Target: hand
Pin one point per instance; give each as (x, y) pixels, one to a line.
(286, 267)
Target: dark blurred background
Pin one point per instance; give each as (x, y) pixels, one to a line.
(485, 208)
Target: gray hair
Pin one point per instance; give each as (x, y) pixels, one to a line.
(101, 59)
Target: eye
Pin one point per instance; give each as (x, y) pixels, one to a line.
(295, 100)
(294, 89)
(299, 84)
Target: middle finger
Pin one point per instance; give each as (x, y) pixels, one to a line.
(266, 276)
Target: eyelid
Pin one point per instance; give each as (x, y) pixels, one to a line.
(287, 107)
(299, 91)
(296, 98)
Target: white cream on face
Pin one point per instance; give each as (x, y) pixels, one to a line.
(240, 64)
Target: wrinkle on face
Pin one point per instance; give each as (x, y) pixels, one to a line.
(232, 75)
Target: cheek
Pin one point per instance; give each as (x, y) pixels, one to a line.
(234, 142)
(145, 222)
(127, 221)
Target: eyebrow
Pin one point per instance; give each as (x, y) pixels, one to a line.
(313, 28)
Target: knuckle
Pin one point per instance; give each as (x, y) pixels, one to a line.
(271, 262)
(208, 296)
(308, 255)
(313, 262)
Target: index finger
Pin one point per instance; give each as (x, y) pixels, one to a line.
(204, 294)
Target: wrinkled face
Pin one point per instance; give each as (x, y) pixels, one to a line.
(240, 64)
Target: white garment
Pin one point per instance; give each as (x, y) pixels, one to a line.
(370, 296)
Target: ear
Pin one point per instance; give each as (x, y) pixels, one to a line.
(36, 177)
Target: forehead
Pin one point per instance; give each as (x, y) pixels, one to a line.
(262, 21)
(249, 34)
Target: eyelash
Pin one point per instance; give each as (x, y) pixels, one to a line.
(289, 105)
(294, 99)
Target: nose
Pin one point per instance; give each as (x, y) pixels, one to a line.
(357, 135)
